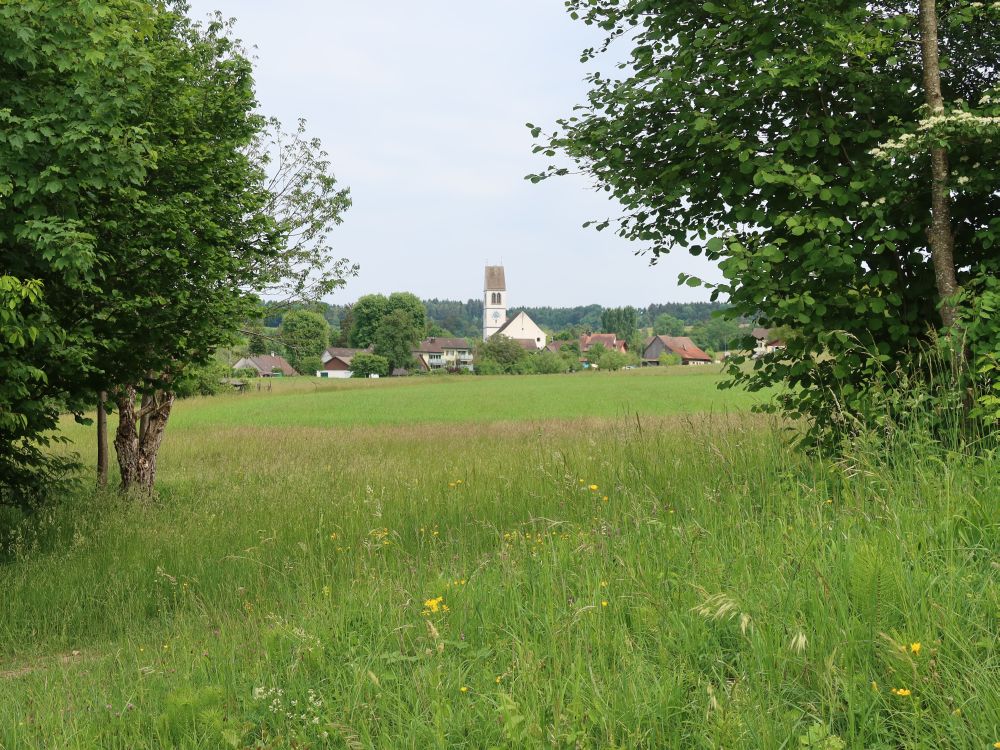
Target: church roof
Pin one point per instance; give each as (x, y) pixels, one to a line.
(507, 324)
(494, 280)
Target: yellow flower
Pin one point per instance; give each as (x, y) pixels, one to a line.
(604, 584)
(326, 591)
(915, 648)
(604, 603)
(996, 745)
(593, 488)
(459, 481)
(464, 689)
(901, 692)
(605, 498)
(498, 679)
(582, 482)
(874, 685)
(333, 535)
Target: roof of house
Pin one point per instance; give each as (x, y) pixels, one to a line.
(434, 344)
(494, 280)
(607, 340)
(510, 321)
(682, 346)
(529, 344)
(760, 333)
(270, 362)
(556, 346)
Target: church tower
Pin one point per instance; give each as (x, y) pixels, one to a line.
(494, 301)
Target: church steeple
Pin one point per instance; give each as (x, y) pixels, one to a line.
(494, 300)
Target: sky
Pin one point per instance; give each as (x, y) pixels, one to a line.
(422, 108)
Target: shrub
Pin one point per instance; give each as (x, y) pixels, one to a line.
(669, 358)
(365, 364)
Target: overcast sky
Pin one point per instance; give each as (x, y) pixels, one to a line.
(422, 108)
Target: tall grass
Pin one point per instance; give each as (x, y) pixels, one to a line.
(679, 581)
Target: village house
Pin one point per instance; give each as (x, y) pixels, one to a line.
(337, 362)
(765, 342)
(437, 353)
(266, 365)
(609, 341)
(682, 346)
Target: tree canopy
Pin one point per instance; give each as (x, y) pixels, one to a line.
(757, 135)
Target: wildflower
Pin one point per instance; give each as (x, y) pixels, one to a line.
(333, 535)
(996, 745)
(874, 686)
(464, 689)
(593, 488)
(604, 602)
(459, 481)
(604, 584)
(915, 647)
(326, 591)
(582, 482)
(901, 692)
(605, 498)
(958, 712)
(451, 484)
(434, 605)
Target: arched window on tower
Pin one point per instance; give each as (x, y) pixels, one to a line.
(495, 298)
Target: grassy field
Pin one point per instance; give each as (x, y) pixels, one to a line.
(508, 562)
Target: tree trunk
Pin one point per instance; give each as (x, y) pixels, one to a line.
(102, 440)
(127, 439)
(152, 437)
(940, 237)
(137, 450)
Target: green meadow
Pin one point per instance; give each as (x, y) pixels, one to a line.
(597, 560)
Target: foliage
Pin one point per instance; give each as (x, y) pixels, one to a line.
(499, 354)
(611, 360)
(669, 358)
(623, 322)
(667, 325)
(366, 314)
(203, 380)
(397, 334)
(364, 364)
(719, 333)
(305, 336)
(411, 305)
(547, 363)
(29, 408)
(811, 224)
(71, 141)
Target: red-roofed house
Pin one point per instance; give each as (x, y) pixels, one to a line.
(266, 365)
(682, 346)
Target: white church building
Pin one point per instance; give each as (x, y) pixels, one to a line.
(521, 327)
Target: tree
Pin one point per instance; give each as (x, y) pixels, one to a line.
(203, 233)
(718, 333)
(621, 321)
(396, 336)
(410, 304)
(547, 363)
(612, 360)
(813, 224)
(364, 365)
(366, 314)
(499, 354)
(70, 142)
(668, 325)
(305, 336)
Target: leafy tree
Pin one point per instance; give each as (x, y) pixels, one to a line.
(366, 315)
(364, 364)
(71, 141)
(595, 352)
(612, 360)
(813, 223)
(396, 336)
(667, 325)
(410, 304)
(499, 354)
(547, 363)
(669, 358)
(305, 336)
(621, 321)
(718, 333)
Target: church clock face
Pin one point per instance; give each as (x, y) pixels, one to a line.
(496, 315)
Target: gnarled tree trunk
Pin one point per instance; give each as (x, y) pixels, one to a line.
(137, 450)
